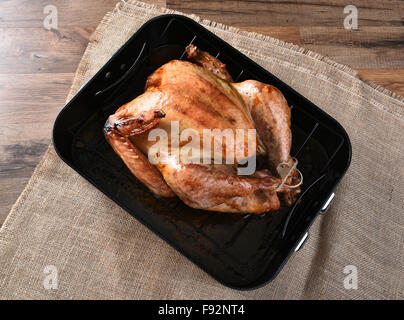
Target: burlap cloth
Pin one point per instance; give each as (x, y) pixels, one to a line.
(100, 251)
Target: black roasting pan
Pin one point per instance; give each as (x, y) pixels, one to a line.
(239, 251)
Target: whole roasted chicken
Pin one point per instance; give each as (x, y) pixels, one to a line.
(200, 94)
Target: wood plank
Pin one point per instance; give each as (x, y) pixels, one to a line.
(368, 48)
(293, 13)
(392, 79)
(29, 104)
(45, 51)
(28, 13)
(288, 34)
(17, 163)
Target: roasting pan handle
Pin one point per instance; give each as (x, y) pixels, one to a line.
(290, 214)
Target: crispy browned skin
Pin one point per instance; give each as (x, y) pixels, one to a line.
(271, 115)
(124, 124)
(201, 95)
(199, 100)
(219, 188)
(208, 62)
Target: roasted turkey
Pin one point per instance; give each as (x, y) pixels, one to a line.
(200, 94)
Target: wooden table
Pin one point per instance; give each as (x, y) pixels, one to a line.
(37, 66)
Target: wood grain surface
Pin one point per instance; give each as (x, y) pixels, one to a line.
(37, 66)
